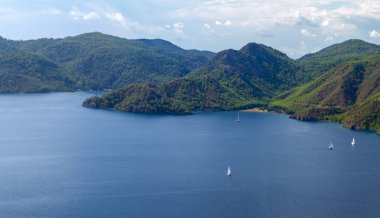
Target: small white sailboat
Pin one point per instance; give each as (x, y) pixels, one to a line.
(331, 146)
(229, 173)
(238, 118)
(353, 141)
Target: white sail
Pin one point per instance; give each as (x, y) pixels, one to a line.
(229, 173)
(353, 141)
(331, 146)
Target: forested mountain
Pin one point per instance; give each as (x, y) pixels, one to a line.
(317, 63)
(231, 80)
(179, 96)
(339, 83)
(24, 71)
(348, 93)
(91, 61)
(255, 71)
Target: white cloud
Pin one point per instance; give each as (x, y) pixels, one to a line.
(101, 14)
(367, 9)
(116, 16)
(225, 23)
(325, 23)
(91, 16)
(374, 34)
(77, 14)
(178, 25)
(307, 33)
(278, 23)
(292, 12)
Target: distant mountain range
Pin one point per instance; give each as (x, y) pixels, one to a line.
(91, 61)
(339, 83)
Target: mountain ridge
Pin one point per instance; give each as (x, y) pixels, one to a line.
(97, 61)
(338, 83)
(260, 76)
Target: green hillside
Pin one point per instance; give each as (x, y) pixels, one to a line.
(21, 71)
(90, 61)
(312, 65)
(255, 71)
(231, 80)
(348, 93)
(339, 83)
(180, 96)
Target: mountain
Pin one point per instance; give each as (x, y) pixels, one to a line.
(348, 93)
(339, 83)
(180, 96)
(230, 80)
(312, 65)
(191, 58)
(29, 71)
(255, 71)
(91, 61)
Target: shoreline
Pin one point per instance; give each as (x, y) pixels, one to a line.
(260, 110)
(256, 110)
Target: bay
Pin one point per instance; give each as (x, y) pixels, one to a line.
(58, 159)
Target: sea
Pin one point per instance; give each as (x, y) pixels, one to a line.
(59, 159)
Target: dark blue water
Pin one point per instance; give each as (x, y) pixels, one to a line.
(58, 159)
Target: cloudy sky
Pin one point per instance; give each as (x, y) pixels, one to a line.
(295, 27)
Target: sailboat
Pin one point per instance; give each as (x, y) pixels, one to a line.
(229, 173)
(331, 146)
(353, 141)
(238, 118)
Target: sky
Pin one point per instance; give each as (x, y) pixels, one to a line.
(295, 27)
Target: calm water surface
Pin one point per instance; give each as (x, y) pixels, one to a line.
(58, 159)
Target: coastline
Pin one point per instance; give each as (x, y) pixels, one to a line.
(256, 110)
(260, 110)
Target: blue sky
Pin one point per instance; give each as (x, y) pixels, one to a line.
(293, 26)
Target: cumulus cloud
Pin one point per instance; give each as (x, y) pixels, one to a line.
(116, 16)
(77, 14)
(325, 23)
(102, 14)
(278, 23)
(367, 9)
(91, 16)
(338, 16)
(307, 33)
(225, 23)
(374, 34)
